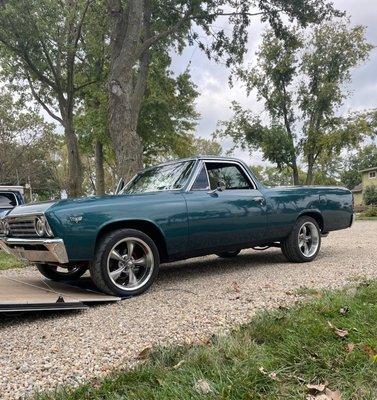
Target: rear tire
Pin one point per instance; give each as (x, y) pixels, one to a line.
(68, 274)
(229, 254)
(126, 263)
(304, 242)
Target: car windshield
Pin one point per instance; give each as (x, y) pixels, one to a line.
(163, 177)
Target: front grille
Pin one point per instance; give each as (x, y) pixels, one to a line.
(22, 227)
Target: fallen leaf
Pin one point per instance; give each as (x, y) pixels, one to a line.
(344, 310)
(176, 366)
(144, 353)
(317, 388)
(370, 352)
(350, 347)
(342, 333)
(333, 395)
(262, 370)
(203, 387)
(272, 375)
(322, 392)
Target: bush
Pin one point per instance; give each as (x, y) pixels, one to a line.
(371, 211)
(370, 195)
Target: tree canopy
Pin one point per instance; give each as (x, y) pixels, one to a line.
(301, 82)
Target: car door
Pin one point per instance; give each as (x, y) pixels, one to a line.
(231, 218)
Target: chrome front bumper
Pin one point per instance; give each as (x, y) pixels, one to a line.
(36, 250)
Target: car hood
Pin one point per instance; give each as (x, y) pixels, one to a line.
(81, 202)
(32, 208)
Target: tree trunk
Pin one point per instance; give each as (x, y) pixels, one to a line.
(296, 179)
(310, 173)
(75, 170)
(100, 173)
(127, 81)
(123, 115)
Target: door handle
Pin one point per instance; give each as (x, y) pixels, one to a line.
(259, 199)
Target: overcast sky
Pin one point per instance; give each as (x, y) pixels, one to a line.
(216, 95)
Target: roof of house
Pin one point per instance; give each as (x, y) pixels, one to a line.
(358, 188)
(368, 169)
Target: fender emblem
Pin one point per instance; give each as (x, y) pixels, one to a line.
(75, 218)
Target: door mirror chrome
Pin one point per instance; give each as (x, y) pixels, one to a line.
(120, 186)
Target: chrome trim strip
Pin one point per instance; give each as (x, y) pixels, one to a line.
(55, 249)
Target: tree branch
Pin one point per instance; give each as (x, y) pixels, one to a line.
(41, 102)
(187, 17)
(80, 24)
(84, 85)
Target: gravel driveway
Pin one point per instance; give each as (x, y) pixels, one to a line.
(189, 301)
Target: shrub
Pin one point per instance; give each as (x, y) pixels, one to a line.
(371, 211)
(370, 195)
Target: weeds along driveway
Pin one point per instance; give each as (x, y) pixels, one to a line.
(190, 301)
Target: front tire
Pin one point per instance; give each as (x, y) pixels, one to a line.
(61, 274)
(126, 263)
(304, 242)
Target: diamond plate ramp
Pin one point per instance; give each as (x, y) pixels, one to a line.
(33, 294)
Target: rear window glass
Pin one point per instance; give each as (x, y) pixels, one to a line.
(7, 200)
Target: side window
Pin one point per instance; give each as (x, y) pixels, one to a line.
(7, 200)
(232, 174)
(201, 181)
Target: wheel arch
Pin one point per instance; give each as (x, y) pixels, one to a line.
(145, 226)
(316, 215)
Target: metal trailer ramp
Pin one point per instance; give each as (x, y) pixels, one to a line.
(33, 294)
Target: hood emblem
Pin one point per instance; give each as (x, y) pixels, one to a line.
(75, 218)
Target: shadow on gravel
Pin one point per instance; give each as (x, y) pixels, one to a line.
(196, 268)
(214, 265)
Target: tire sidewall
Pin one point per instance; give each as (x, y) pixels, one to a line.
(48, 272)
(300, 222)
(103, 252)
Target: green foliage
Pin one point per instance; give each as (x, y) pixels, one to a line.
(370, 195)
(301, 82)
(24, 138)
(371, 210)
(273, 357)
(167, 116)
(363, 159)
(272, 176)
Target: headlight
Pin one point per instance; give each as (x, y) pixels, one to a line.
(39, 226)
(5, 228)
(42, 227)
(48, 229)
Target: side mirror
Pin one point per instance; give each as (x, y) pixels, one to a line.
(221, 186)
(120, 186)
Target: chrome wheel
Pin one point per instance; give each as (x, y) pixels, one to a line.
(130, 263)
(308, 239)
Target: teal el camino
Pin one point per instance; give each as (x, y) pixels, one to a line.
(173, 211)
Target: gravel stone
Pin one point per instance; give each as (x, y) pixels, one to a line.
(190, 301)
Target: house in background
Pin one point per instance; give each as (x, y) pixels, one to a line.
(368, 178)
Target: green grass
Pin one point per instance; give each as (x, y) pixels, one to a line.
(7, 261)
(298, 345)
